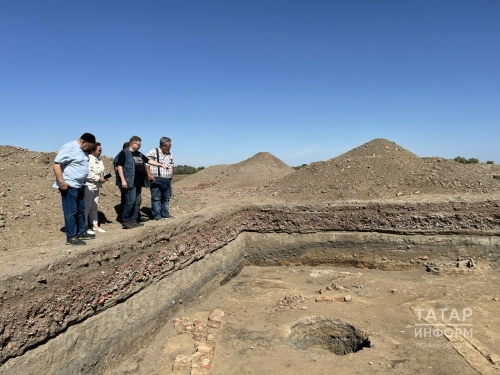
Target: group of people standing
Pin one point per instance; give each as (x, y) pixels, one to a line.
(80, 173)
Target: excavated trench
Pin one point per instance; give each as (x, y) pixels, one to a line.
(90, 322)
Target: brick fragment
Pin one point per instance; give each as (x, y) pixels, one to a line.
(215, 318)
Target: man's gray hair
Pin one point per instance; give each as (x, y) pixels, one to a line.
(164, 141)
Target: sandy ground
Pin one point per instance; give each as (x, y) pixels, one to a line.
(394, 308)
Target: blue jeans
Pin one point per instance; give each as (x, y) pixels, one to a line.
(161, 191)
(132, 204)
(73, 206)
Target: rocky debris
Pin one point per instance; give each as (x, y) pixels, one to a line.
(432, 268)
(290, 301)
(201, 185)
(325, 299)
(201, 360)
(2, 218)
(337, 287)
(457, 266)
(215, 318)
(182, 365)
(466, 263)
(334, 286)
(346, 298)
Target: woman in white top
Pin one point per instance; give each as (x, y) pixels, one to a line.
(95, 180)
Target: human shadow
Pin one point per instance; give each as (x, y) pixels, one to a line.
(146, 211)
(101, 216)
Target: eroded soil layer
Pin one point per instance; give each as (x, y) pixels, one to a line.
(48, 299)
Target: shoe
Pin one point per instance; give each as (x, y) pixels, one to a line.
(168, 216)
(99, 229)
(144, 218)
(137, 224)
(90, 231)
(159, 218)
(75, 241)
(127, 225)
(86, 236)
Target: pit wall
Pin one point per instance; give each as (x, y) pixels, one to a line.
(368, 250)
(41, 305)
(105, 340)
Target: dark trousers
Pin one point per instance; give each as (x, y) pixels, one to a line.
(122, 204)
(132, 204)
(73, 206)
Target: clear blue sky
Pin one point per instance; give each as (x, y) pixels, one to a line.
(225, 79)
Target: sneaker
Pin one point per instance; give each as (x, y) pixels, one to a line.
(99, 229)
(90, 231)
(86, 236)
(168, 216)
(138, 224)
(144, 218)
(159, 218)
(127, 225)
(75, 241)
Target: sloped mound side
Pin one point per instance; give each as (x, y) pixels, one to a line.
(209, 174)
(257, 171)
(492, 170)
(379, 147)
(385, 176)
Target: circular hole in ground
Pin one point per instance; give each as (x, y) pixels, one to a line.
(336, 336)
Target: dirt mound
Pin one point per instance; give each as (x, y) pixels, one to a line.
(254, 172)
(380, 169)
(378, 147)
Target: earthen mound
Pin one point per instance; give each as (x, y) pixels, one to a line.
(378, 147)
(254, 172)
(380, 169)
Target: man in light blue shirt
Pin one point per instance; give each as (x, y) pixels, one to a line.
(71, 167)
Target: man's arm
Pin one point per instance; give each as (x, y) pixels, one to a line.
(155, 163)
(59, 176)
(150, 175)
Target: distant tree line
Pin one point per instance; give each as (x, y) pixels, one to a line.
(462, 160)
(300, 166)
(186, 169)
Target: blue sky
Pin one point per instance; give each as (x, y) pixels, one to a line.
(303, 80)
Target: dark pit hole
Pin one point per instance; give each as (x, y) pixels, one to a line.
(336, 336)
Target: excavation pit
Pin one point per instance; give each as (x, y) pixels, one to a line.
(336, 336)
(123, 292)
